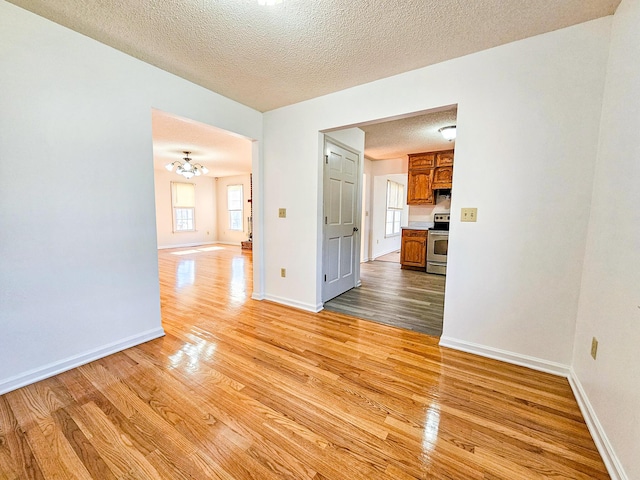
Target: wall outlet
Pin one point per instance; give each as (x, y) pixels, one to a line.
(594, 347)
(282, 213)
(283, 272)
(469, 215)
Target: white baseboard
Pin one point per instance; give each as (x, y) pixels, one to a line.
(235, 244)
(506, 356)
(385, 253)
(293, 303)
(257, 296)
(614, 467)
(185, 245)
(40, 373)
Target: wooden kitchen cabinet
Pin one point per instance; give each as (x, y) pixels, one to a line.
(428, 171)
(444, 158)
(420, 187)
(442, 177)
(413, 249)
(422, 160)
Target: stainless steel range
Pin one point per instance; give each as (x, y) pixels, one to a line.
(438, 244)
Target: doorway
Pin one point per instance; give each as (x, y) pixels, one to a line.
(388, 293)
(341, 248)
(203, 198)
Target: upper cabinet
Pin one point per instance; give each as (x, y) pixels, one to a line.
(419, 187)
(428, 171)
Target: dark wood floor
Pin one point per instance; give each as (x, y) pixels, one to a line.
(241, 389)
(390, 295)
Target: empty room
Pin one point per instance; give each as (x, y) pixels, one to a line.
(119, 359)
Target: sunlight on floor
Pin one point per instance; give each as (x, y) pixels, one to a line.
(196, 250)
(210, 249)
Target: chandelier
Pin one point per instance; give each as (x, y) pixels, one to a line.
(186, 168)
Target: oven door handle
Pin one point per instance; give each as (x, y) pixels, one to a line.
(438, 234)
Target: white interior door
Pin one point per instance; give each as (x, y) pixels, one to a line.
(341, 222)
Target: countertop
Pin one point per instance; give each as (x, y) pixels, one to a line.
(419, 226)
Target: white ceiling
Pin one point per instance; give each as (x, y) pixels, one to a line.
(268, 57)
(225, 153)
(396, 138)
(222, 152)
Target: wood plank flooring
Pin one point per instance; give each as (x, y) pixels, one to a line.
(241, 389)
(401, 298)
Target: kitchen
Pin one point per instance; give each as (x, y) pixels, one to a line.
(411, 161)
(425, 238)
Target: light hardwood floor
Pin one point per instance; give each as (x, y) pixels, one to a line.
(240, 389)
(401, 298)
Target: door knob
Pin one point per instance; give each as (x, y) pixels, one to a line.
(355, 229)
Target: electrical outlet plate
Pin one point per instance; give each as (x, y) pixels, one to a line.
(469, 215)
(594, 347)
(282, 213)
(283, 272)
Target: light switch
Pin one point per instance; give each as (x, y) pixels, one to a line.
(282, 213)
(469, 215)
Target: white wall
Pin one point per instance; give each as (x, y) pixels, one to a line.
(367, 189)
(381, 245)
(224, 234)
(528, 120)
(394, 169)
(391, 166)
(206, 213)
(424, 213)
(609, 307)
(79, 274)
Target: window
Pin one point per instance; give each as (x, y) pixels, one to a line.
(183, 202)
(234, 206)
(395, 202)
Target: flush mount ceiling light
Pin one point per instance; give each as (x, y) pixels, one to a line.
(186, 168)
(269, 2)
(448, 132)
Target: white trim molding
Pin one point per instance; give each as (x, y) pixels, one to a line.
(309, 307)
(614, 467)
(37, 374)
(185, 245)
(506, 356)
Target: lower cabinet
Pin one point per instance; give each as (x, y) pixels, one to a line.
(413, 249)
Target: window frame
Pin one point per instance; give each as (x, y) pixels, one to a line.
(177, 207)
(395, 206)
(232, 211)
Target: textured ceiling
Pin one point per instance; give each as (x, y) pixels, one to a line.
(223, 153)
(268, 57)
(397, 138)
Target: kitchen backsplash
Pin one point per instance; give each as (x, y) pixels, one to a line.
(424, 213)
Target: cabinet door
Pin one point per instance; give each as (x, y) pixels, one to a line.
(419, 188)
(442, 177)
(444, 159)
(422, 160)
(413, 251)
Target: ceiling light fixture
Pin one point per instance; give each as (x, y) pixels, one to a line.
(448, 132)
(269, 2)
(186, 168)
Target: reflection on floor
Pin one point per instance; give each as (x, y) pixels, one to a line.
(390, 295)
(246, 389)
